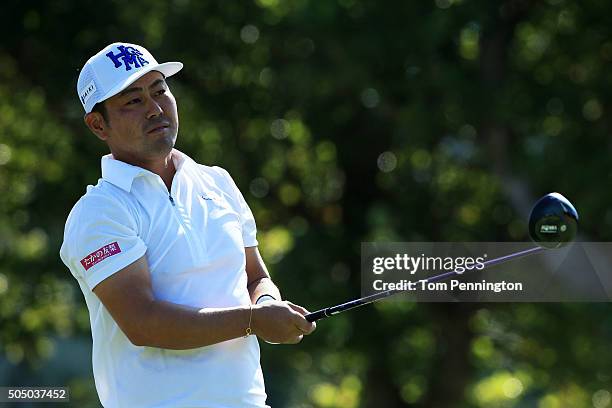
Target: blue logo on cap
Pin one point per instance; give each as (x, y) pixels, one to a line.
(129, 56)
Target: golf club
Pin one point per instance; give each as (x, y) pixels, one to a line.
(553, 222)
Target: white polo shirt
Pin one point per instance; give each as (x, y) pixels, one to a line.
(193, 238)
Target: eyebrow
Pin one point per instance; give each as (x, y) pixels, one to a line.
(138, 89)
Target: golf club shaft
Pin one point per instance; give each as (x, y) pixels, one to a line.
(332, 310)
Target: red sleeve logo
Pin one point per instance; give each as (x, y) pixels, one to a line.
(100, 255)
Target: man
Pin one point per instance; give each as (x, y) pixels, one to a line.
(165, 252)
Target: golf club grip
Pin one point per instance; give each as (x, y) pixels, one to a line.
(314, 316)
(332, 310)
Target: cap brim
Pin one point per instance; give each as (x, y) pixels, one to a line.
(166, 68)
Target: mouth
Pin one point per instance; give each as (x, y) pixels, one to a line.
(159, 128)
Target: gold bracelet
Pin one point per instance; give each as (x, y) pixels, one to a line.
(248, 329)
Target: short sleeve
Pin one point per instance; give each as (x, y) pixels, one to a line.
(247, 220)
(100, 239)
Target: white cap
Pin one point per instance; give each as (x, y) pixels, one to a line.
(114, 68)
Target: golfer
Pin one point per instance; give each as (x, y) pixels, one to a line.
(165, 252)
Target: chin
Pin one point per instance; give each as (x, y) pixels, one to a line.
(166, 148)
(166, 143)
(160, 148)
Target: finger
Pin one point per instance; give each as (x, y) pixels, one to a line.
(304, 326)
(312, 327)
(293, 338)
(298, 308)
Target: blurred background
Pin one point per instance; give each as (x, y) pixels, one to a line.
(342, 121)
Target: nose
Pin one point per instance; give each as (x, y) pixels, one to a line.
(153, 108)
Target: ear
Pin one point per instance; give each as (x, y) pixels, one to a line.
(96, 123)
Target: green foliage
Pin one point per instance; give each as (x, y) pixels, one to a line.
(341, 121)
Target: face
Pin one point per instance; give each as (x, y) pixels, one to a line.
(142, 121)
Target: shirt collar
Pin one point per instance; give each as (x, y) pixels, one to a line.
(122, 174)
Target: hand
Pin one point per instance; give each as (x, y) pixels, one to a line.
(281, 322)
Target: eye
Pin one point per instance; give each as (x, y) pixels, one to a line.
(133, 101)
(160, 92)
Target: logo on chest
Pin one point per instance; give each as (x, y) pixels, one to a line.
(212, 197)
(216, 205)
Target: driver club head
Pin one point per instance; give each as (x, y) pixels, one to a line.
(553, 221)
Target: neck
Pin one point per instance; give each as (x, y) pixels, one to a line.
(163, 167)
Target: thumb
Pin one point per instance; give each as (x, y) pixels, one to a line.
(304, 325)
(298, 309)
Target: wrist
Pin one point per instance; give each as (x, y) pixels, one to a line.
(249, 328)
(255, 319)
